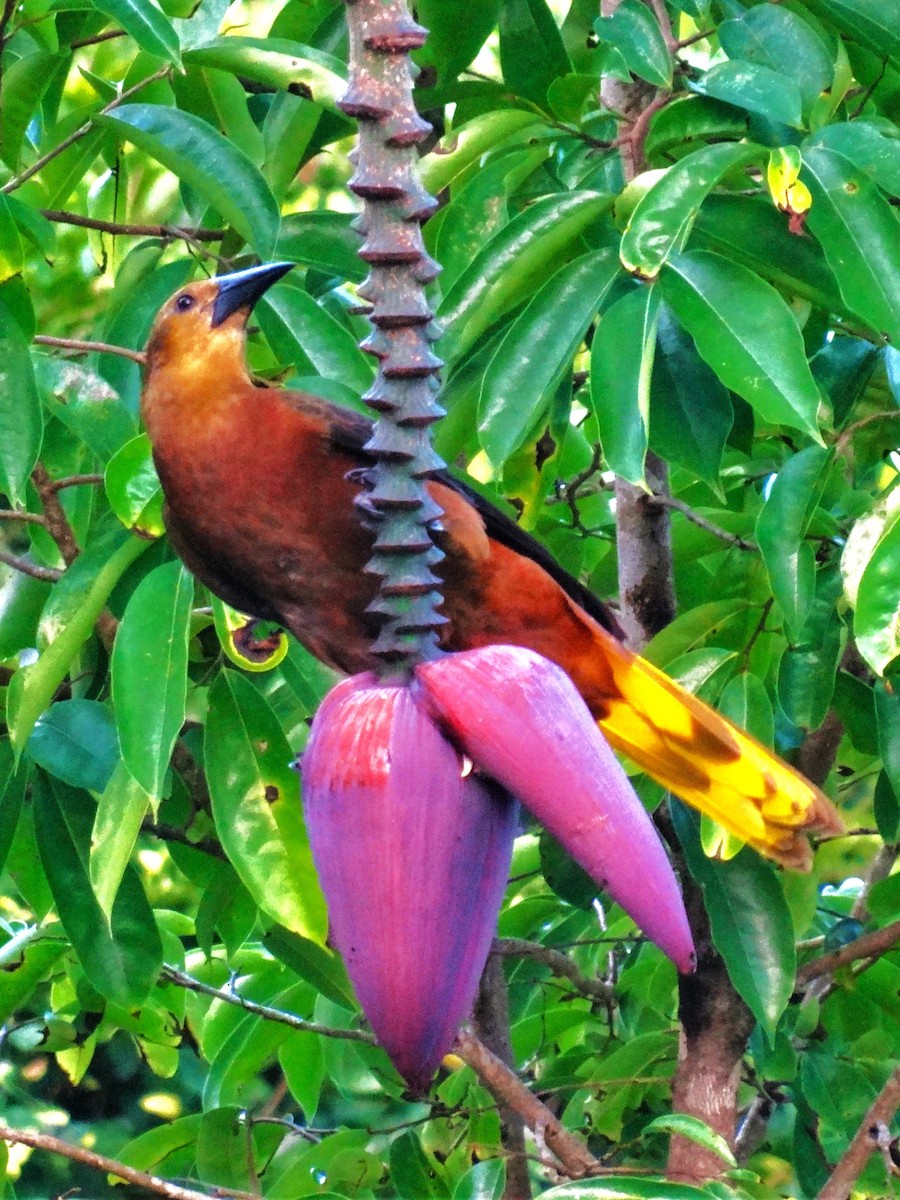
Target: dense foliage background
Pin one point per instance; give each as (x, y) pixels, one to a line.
(710, 277)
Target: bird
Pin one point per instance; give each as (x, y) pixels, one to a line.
(259, 487)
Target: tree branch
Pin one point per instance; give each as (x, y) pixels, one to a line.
(58, 485)
(43, 339)
(99, 1162)
(857, 1154)
(506, 1088)
(182, 979)
(55, 520)
(704, 523)
(560, 964)
(44, 574)
(188, 234)
(870, 945)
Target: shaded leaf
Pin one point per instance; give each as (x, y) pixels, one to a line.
(147, 24)
(532, 53)
(634, 31)
(21, 424)
(75, 740)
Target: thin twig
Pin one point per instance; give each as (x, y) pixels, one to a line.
(172, 833)
(879, 869)
(857, 1154)
(870, 945)
(189, 234)
(683, 43)
(99, 1162)
(68, 481)
(97, 38)
(840, 446)
(182, 979)
(55, 520)
(30, 518)
(44, 574)
(506, 1087)
(560, 964)
(80, 132)
(716, 530)
(43, 339)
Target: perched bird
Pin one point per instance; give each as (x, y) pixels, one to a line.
(260, 483)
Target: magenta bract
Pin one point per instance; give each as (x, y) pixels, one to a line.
(520, 719)
(413, 854)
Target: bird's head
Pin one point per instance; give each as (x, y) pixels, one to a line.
(204, 323)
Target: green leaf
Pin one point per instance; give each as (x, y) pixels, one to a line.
(120, 811)
(887, 714)
(75, 740)
(287, 314)
(624, 1187)
(25, 960)
(634, 31)
(318, 966)
(686, 1126)
(147, 24)
(807, 671)
(514, 263)
(23, 84)
(133, 488)
(323, 240)
(781, 529)
(149, 672)
(21, 424)
(867, 148)
(86, 404)
(456, 32)
(532, 53)
(663, 217)
(302, 1060)
(278, 63)
(256, 808)
(622, 356)
(465, 146)
(876, 622)
(690, 411)
(872, 22)
(485, 1181)
(201, 157)
(751, 922)
(745, 701)
(860, 236)
(414, 1174)
(74, 605)
(12, 252)
(120, 956)
(783, 41)
(537, 349)
(12, 792)
(149, 1150)
(757, 89)
(747, 334)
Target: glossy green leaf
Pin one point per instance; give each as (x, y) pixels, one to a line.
(876, 622)
(278, 63)
(690, 1127)
(12, 252)
(867, 148)
(120, 956)
(86, 404)
(255, 798)
(514, 263)
(747, 334)
(485, 1181)
(624, 1187)
(781, 529)
(121, 809)
(854, 703)
(26, 959)
(21, 424)
(783, 41)
(324, 240)
(149, 672)
(292, 315)
(133, 488)
(532, 54)
(149, 1150)
(622, 355)
(75, 740)
(414, 1174)
(465, 146)
(872, 22)
(537, 350)
(74, 605)
(312, 962)
(755, 88)
(751, 922)
(807, 671)
(201, 157)
(12, 791)
(456, 32)
(690, 410)
(860, 235)
(634, 31)
(745, 701)
(662, 220)
(24, 82)
(147, 24)
(887, 714)
(302, 1060)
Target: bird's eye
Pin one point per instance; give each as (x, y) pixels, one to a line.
(184, 302)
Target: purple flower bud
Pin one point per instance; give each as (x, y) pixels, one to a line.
(520, 719)
(413, 854)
